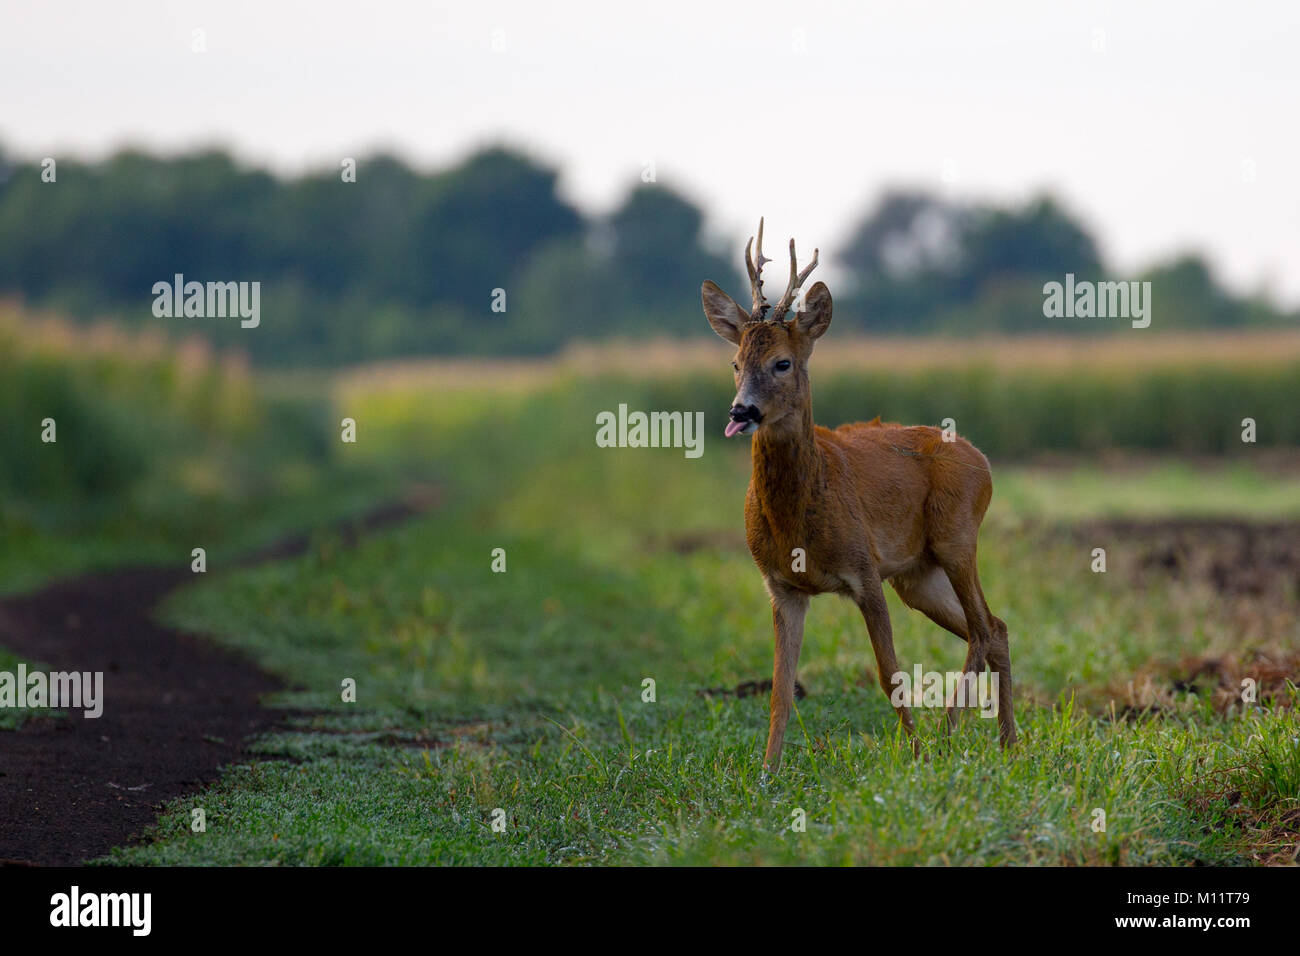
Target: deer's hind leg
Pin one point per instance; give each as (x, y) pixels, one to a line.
(929, 589)
(1000, 662)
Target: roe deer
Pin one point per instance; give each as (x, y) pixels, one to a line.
(867, 502)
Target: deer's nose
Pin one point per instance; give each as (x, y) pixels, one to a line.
(746, 413)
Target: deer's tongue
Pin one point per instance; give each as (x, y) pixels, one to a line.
(733, 427)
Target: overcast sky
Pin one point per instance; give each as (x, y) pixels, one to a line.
(1165, 125)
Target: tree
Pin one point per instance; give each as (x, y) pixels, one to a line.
(920, 261)
(1037, 241)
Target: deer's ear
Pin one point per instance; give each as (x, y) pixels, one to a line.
(816, 317)
(723, 313)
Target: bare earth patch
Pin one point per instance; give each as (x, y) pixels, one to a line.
(1247, 575)
(178, 708)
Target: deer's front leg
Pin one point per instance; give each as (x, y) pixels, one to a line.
(875, 611)
(788, 610)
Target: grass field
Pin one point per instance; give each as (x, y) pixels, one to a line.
(519, 697)
(156, 450)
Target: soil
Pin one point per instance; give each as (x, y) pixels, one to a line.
(1252, 571)
(176, 707)
(1259, 560)
(749, 688)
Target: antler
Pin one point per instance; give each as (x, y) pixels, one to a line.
(755, 269)
(796, 283)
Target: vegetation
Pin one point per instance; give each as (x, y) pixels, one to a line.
(394, 263)
(523, 691)
(404, 262)
(156, 450)
(922, 264)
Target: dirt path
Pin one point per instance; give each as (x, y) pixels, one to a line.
(176, 708)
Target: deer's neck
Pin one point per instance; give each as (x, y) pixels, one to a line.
(787, 476)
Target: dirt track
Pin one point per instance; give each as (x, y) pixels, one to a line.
(176, 709)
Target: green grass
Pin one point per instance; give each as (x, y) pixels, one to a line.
(1168, 489)
(11, 718)
(32, 554)
(523, 690)
(682, 786)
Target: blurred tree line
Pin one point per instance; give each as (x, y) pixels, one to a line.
(923, 264)
(404, 262)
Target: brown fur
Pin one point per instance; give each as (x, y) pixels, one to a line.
(866, 502)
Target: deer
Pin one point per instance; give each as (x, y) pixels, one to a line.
(853, 507)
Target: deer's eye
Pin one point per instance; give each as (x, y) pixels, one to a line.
(735, 366)
(782, 366)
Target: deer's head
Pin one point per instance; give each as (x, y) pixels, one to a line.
(771, 361)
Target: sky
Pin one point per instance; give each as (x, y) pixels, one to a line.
(1165, 126)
